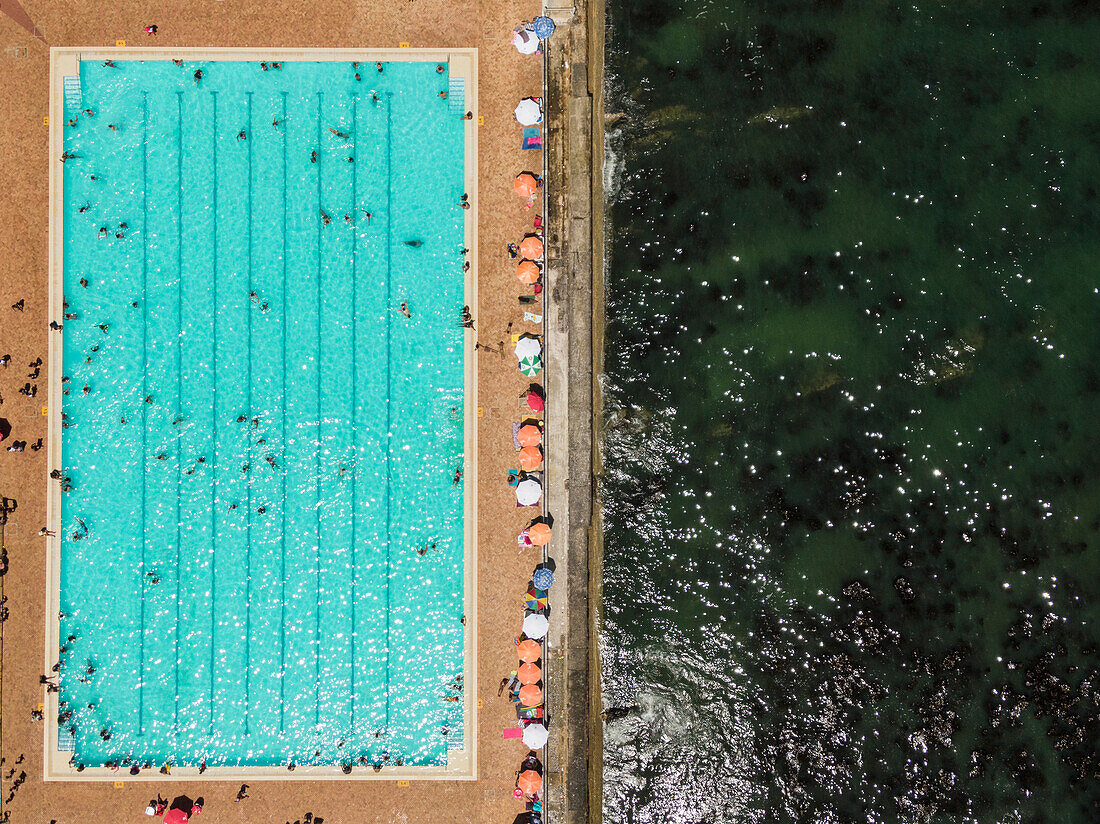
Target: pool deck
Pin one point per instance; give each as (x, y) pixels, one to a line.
(27, 31)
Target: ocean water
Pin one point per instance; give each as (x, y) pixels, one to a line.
(851, 503)
(259, 441)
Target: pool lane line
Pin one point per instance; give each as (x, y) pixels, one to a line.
(282, 547)
(144, 391)
(214, 416)
(317, 509)
(354, 388)
(248, 541)
(179, 384)
(389, 390)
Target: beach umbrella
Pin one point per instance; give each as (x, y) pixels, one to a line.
(528, 346)
(529, 112)
(535, 400)
(530, 366)
(529, 673)
(530, 695)
(528, 492)
(525, 41)
(540, 534)
(529, 435)
(526, 184)
(535, 625)
(530, 459)
(531, 247)
(529, 651)
(529, 781)
(528, 272)
(535, 736)
(535, 599)
(543, 27)
(543, 578)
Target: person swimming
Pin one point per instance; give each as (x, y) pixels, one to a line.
(415, 244)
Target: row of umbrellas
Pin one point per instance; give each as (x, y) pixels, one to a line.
(530, 652)
(529, 781)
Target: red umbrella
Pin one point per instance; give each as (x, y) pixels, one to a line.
(529, 435)
(529, 674)
(536, 401)
(530, 782)
(530, 695)
(530, 458)
(526, 184)
(529, 651)
(531, 247)
(528, 272)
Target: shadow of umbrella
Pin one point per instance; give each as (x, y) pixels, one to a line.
(181, 809)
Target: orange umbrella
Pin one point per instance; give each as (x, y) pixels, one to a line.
(526, 184)
(540, 534)
(531, 247)
(530, 458)
(530, 695)
(529, 673)
(529, 651)
(528, 272)
(529, 435)
(529, 782)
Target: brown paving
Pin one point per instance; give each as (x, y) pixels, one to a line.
(505, 76)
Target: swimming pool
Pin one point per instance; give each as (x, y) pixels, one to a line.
(262, 553)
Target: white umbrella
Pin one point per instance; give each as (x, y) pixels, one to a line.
(535, 625)
(529, 112)
(525, 41)
(536, 736)
(528, 492)
(527, 347)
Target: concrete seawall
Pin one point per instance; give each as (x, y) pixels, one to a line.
(574, 335)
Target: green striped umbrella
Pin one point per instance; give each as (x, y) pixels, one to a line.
(531, 365)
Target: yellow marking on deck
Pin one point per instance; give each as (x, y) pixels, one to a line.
(402, 783)
(119, 785)
(402, 46)
(120, 43)
(481, 120)
(479, 703)
(45, 411)
(480, 412)
(46, 120)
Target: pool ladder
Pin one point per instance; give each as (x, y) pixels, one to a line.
(456, 95)
(73, 96)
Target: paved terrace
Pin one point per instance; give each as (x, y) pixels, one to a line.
(26, 32)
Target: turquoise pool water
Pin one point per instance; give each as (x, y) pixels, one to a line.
(251, 593)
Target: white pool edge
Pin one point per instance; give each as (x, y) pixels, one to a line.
(461, 764)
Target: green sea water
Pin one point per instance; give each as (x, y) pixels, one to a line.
(851, 497)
